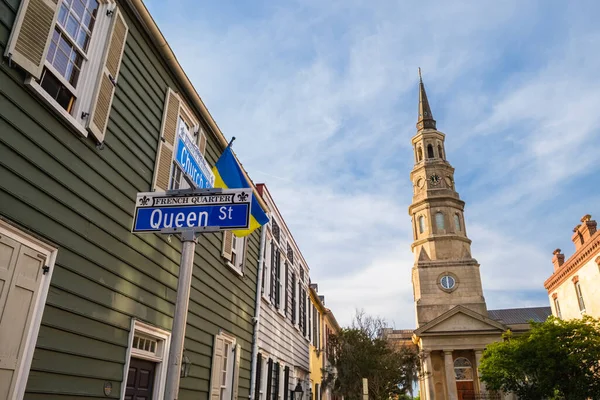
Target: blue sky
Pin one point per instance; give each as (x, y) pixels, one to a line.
(322, 98)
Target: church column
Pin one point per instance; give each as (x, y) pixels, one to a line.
(450, 379)
(428, 368)
(478, 354)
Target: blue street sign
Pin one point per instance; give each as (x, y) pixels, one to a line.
(226, 209)
(191, 161)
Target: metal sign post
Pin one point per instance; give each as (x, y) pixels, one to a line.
(189, 212)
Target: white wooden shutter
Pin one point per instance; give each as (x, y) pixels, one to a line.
(107, 79)
(226, 251)
(243, 255)
(202, 141)
(217, 364)
(166, 143)
(20, 277)
(31, 34)
(236, 372)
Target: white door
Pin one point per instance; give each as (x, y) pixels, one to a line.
(21, 272)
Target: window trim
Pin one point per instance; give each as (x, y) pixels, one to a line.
(557, 308)
(160, 374)
(239, 242)
(22, 370)
(89, 75)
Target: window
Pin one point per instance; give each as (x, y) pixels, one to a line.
(275, 382)
(457, 222)
(234, 252)
(73, 57)
(579, 297)
(463, 371)
(69, 45)
(447, 282)
(557, 308)
(257, 389)
(421, 224)
(266, 265)
(275, 276)
(440, 153)
(177, 179)
(430, 151)
(302, 308)
(420, 154)
(225, 368)
(439, 220)
(286, 304)
(286, 383)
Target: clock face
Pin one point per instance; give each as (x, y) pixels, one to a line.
(435, 179)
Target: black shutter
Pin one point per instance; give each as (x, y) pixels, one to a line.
(286, 305)
(273, 283)
(286, 383)
(310, 318)
(258, 373)
(293, 298)
(278, 281)
(276, 381)
(269, 378)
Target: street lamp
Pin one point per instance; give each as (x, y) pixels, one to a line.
(297, 393)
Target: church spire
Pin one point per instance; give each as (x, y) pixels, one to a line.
(425, 120)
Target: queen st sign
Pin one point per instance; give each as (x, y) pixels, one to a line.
(196, 210)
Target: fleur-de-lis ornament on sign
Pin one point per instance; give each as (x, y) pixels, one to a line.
(242, 196)
(144, 200)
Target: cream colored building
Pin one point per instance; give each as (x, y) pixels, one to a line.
(574, 287)
(453, 323)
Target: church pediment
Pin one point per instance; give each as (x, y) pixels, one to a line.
(460, 319)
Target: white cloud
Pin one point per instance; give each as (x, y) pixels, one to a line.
(322, 99)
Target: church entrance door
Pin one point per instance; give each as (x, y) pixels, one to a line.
(465, 390)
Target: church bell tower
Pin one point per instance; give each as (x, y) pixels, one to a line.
(444, 274)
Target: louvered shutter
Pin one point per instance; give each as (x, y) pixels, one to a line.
(273, 273)
(227, 249)
(107, 81)
(236, 372)
(269, 378)
(286, 383)
(286, 305)
(31, 34)
(243, 255)
(202, 141)
(217, 363)
(164, 154)
(294, 298)
(258, 377)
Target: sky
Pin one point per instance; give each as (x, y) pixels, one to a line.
(322, 99)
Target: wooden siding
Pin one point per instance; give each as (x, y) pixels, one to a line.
(60, 187)
(278, 337)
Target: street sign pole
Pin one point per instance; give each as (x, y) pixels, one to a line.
(188, 249)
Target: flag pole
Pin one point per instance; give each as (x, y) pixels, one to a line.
(231, 141)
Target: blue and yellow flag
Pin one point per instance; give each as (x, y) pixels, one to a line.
(229, 175)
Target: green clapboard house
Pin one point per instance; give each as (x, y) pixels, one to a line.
(91, 98)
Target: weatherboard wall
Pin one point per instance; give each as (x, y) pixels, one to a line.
(60, 187)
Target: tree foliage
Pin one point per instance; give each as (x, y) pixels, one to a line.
(360, 352)
(556, 359)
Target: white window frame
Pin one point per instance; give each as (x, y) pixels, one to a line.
(160, 357)
(557, 308)
(580, 300)
(237, 249)
(89, 76)
(50, 252)
(230, 341)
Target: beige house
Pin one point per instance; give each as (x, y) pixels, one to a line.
(574, 287)
(453, 323)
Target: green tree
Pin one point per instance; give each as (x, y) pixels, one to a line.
(360, 352)
(556, 359)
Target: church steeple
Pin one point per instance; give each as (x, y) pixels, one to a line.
(445, 274)
(425, 120)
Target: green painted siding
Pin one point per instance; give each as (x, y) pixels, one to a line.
(60, 187)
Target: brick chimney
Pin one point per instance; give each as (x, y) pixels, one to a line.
(558, 260)
(588, 227)
(577, 237)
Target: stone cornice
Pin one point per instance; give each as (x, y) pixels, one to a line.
(581, 257)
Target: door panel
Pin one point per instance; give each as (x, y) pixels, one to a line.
(140, 379)
(20, 277)
(465, 390)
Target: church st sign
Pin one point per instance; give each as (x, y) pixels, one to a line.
(192, 210)
(191, 161)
